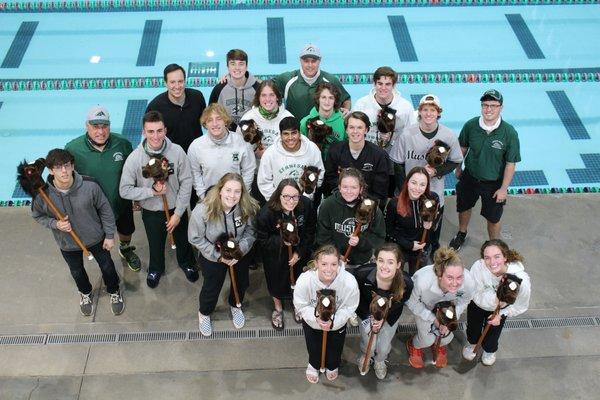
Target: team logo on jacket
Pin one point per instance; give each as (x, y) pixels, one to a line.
(300, 220)
(235, 156)
(291, 171)
(348, 226)
(118, 156)
(237, 222)
(367, 167)
(497, 144)
(460, 293)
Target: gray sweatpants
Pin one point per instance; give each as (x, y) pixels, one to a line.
(382, 343)
(424, 338)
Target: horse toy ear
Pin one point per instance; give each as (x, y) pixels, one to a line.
(29, 176)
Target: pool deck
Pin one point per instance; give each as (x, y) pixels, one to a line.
(559, 241)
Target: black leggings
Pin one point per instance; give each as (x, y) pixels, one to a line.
(335, 345)
(214, 274)
(476, 321)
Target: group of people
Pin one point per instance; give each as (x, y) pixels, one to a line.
(346, 208)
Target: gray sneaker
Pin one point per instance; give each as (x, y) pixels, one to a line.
(237, 317)
(86, 306)
(204, 324)
(117, 305)
(380, 368)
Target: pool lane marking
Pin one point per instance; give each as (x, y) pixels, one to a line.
(404, 44)
(589, 174)
(521, 30)
(276, 41)
(568, 115)
(149, 44)
(18, 48)
(132, 124)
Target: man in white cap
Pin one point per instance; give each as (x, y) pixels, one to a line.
(491, 149)
(101, 154)
(299, 86)
(413, 146)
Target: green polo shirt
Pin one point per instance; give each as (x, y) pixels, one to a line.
(489, 153)
(299, 96)
(104, 166)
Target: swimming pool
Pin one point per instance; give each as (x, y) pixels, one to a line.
(541, 57)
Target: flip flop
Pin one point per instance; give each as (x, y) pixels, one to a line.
(277, 320)
(312, 375)
(331, 375)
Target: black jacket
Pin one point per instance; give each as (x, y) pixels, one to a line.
(182, 122)
(372, 163)
(405, 230)
(365, 276)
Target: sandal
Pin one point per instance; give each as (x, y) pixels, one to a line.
(297, 316)
(331, 375)
(312, 375)
(277, 320)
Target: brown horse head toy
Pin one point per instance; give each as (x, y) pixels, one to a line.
(289, 231)
(508, 289)
(157, 169)
(428, 208)
(251, 132)
(309, 179)
(325, 308)
(228, 247)
(386, 124)
(445, 313)
(437, 154)
(365, 211)
(318, 131)
(29, 176)
(379, 306)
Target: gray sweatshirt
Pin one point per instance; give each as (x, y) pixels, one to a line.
(86, 206)
(179, 185)
(203, 233)
(211, 159)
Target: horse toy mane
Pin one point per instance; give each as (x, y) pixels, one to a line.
(318, 131)
(157, 169)
(309, 178)
(251, 132)
(386, 124)
(29, 176)
(228, 247)
(428, 208)
(437, 154)
(379, 306)
(325, 308)
(445, 313)
(508, 289)
(365, 211)
(289, 231)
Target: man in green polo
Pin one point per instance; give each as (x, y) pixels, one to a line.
(101, 154)
(491, 149)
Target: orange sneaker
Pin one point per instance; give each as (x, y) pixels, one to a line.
(439, 353)
(415, 356)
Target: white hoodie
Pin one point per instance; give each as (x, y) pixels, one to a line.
(405, 115)
(487, 283)
(277, 164)
(427, 293)
(347, 297)
(269, 127)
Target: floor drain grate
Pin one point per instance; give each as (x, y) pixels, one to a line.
(562, 322)
(287, 332)
(517, 324)
(22, 339)
(82, 338)
(152, 336)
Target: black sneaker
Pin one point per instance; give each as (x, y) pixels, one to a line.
(458, 240)
(86, 305)
(153, 279)
(117, 305)
(132, 259)
(191, 273)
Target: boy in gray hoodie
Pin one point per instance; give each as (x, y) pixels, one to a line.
(88, 212)
(177, 189)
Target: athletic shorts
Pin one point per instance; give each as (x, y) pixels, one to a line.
(469, 190)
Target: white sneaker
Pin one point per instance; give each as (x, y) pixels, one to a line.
(204, 324)
(467, 352)
(237, 317)
(380, 368)
(353, 320)
(488, 358)
(361, 361)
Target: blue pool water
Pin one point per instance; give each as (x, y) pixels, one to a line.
(558, 122)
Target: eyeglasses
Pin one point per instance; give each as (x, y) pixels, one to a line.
(287, 197)
(490, 106)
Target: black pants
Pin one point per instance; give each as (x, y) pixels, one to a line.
(335, 345)
(74, 260)
(156, 232)
(214, 274)
(476, 321)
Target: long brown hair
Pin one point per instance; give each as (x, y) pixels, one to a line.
(510, 255)
(398, 286)
(274, 202)
(214, 208)
(403, 201)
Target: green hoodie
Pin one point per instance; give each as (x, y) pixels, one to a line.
(336, 223)
(104, 166)
(336, 122)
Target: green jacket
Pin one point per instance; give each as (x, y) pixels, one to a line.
(104, 166)
(336, 223)
(336, 122)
